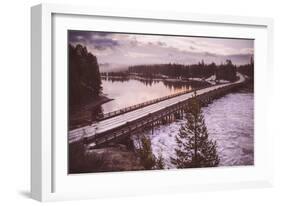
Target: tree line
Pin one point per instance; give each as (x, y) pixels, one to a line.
(84, 75)
(225, 71)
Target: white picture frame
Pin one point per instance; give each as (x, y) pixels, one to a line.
(49, 179)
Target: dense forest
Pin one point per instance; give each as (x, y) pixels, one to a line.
(84, 76)
(174, 70)
(225, 71)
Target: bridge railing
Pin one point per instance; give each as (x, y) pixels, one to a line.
(132, 126)
(137, 106)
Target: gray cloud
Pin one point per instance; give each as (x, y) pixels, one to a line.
(97, 40)
(131, 49)
(102, 44)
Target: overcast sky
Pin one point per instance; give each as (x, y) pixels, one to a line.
(134, 49)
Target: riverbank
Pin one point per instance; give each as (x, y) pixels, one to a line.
(82, 115)
(115, 157)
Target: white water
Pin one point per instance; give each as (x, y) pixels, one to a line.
(229, 121)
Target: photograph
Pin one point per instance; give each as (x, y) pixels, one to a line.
(139, 101)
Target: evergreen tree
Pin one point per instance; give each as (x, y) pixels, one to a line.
(144, 151)
(160, 162)
(84, 75)
(194, 149)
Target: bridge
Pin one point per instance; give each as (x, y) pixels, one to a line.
(126, 123)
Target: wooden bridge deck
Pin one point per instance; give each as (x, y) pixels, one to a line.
(126, 123)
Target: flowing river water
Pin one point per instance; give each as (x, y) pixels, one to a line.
(229, 119)
(230, 123)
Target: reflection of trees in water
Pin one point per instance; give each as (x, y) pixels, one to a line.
(177, 85)
(148, 82)
(115, 78)
(172, 85)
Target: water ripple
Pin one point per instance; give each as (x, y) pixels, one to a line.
(229, 121)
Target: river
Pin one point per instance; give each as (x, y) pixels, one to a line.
(128, 92)
(230, 123)
(229, 119)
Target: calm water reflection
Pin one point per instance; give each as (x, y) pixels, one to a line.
(128, 92)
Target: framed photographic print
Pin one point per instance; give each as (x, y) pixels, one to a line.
(134, 102)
